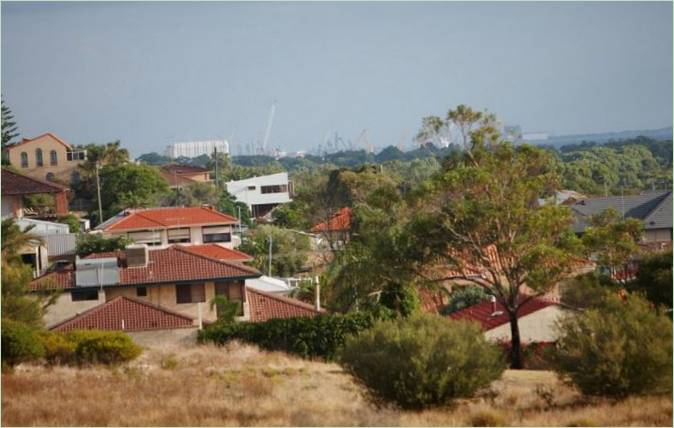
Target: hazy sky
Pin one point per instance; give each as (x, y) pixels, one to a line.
(153, 73)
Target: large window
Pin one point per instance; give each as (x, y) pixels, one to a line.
(53, 158)
(38, 157)
(149, 237)
(276, 188)
(178, 235)
(76, 156)
(216, 234)
(24, 160)
(190, 293)
(81, 295)
(232, 291)
(141, 291)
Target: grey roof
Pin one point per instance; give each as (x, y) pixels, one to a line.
(62, 244)
(654, 208)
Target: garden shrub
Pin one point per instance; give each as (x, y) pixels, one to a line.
(307, 337)
(20, 343)
(102, 347)
(535, 355)
(58, 349)
(621, 348)
(422, 361)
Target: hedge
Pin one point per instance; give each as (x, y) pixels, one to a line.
(89, 347)
(319, 336)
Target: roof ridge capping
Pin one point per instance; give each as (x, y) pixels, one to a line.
(185, 250)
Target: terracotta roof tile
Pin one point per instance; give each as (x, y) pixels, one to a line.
(219, 252)
(14, 183)
(341, 221)
(264, 306)
(165, 217)
(135, 315)
(482, 312)
(57, 280)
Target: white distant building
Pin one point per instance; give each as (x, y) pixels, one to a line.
(193, 149)
(263, 193)
(535, 136)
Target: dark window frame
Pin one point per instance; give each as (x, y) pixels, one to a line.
(84, 295)
(53, 158)
(141, 291)
(39, 161)
(24, 159)
(187, 293)
(274, 188)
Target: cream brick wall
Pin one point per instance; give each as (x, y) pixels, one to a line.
(65, 308)
(538, 326)
(62, 171)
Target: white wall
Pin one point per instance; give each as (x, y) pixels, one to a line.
(538, 326)
(6, 206)
(239, 189)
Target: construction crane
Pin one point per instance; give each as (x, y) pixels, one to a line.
(272, 111)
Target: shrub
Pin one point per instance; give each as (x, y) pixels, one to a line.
(488, 418)
(535, 355)
(319, 336)
(619, 349)
(422, 361)
(102, 347)
(462, 297)
(58, 349)
(20, 343)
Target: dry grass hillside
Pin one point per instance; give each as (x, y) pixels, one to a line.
(240, 385)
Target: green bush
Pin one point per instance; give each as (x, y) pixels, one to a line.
(20, 343)
(307, 337)
(102, 347)
(621, 348)
(58, 349)
(422, 361)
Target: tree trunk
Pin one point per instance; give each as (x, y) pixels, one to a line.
(515, 343)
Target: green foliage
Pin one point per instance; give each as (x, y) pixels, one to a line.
(588, 290)
(654, 278)
(307, 337)
(72, 221)
(229, 205)
(153, 158)
(289, 249)
(98, 347)
(194, 195)
(58, 348)
(41, 202)
(130, 186)
(20, 342)
(462, 297)
(401, 299)
(9, 131)
(422, 361)
(89, 243)
(227, 310)
(618, 349)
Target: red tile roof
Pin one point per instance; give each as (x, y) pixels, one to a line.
(482, 312)
(172, 264)
(219, 252)
(338, 222)
(135, 315)
(159, 218)
(264, 306)
(176, 180)
(14, 183)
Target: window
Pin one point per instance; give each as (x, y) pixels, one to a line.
(149, 237)
(76, 156)
(178, 235)
(277, 188)
(80, 295)
(53, 158)
(75, 177)
(24, 160)
(232, 291)
(251, 187)
(190, 293)
(141, 291)
(38, 157)
(50, 176)
(216, 234)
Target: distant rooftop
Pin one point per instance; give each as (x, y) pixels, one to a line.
(144, 218)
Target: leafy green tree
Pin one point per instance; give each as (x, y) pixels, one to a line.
(9, 131)
(587, 291)
(72, 221)
(463, 297)
(654, 278)
(289, 250)
(153, 158)
(227, 310)
(193, 195)
(228, 204)
(130, 186)
(621, 348)
(481, 213)
(89, 243)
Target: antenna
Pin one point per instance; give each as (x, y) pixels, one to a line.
(269, 124)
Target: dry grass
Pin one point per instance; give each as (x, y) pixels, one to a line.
(242, 386)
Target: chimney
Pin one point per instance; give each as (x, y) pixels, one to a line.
(318, 296)
(137, 255)
(493, 304)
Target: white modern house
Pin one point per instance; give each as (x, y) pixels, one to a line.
(263, 193)
(192, 149)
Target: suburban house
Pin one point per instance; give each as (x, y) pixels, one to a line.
(178, 176)
(653, 208)
(16, 186)
(336, 229)
(263, 193)
(536, 319)
(47, 157)
(161, 227)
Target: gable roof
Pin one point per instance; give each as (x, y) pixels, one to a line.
(14, 183)
(341, 221)
(183, 169)
(160, 218)
(219, 252)
(654, 208)
(264, 306)
(482, 312)
(134, 315)
(169, 265)
(176, 180)
(46, 134)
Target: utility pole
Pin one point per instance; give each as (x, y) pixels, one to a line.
(215, 157)
(270, 254)
(239, 209)
(98, 191)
